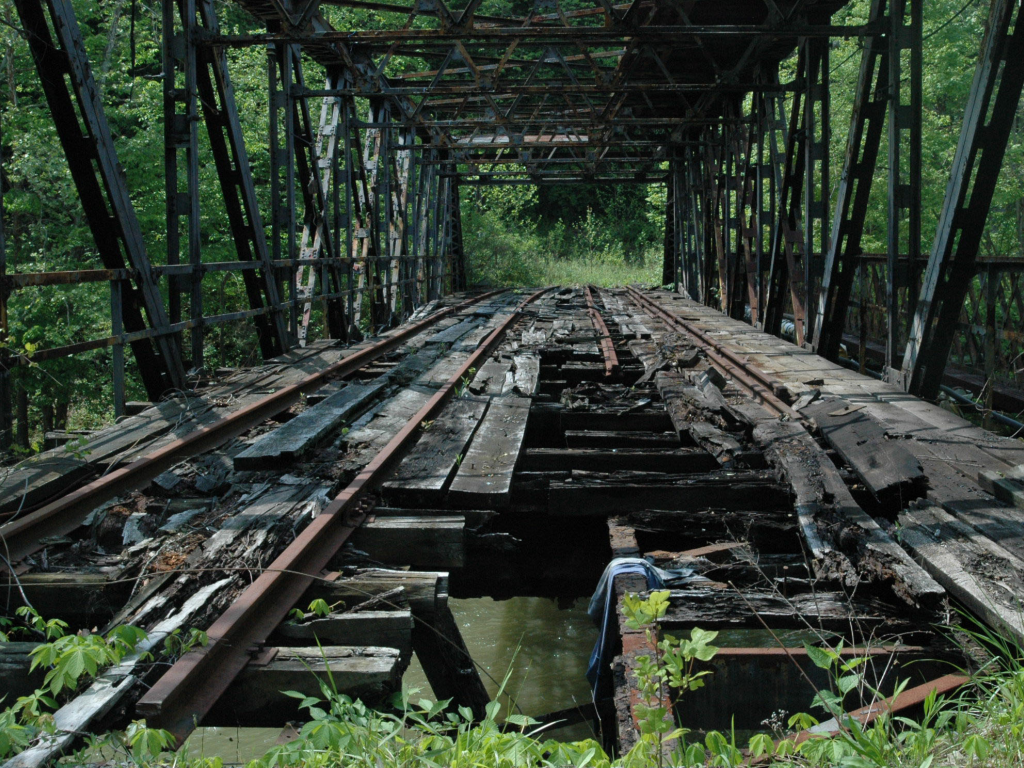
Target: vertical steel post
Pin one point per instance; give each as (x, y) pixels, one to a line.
(988, 120)
(670, 256)
(181, 132)
(817, 130)
(904, 175)
(117, 351)
(238, 188)
(991, 284)
(6, 418)
(284, 241)
(871, 101)
(88, 145)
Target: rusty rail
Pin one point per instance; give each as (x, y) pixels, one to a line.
(906, 699)
(22, 536)
(186, 692)
(759, 384)
(611, 360)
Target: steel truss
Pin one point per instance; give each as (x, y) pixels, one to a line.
(366, 165)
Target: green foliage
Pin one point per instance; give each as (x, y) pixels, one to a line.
(421, 732)
(146, 743)
(177, 643)
(69, 657)
(504, 247)
(51, 629)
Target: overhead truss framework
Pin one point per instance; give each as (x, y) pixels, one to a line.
(373, 132)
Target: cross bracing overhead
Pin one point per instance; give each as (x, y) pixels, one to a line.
(374, 129)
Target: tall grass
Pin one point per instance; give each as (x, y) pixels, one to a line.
(504, 253)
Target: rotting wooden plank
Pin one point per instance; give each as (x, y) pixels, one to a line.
(484, 478)
(769, 532)
(830, 517)
(82, 599)
(366, 440)
(598, 493)
(675, 459)
(387, 628)
(441, 373)
(264, 512)
(527, 374)
(425, 591)
(1008, 489)
(887, 469)
(1001, 523)
(254, 698)
(976, 571)
(75, 718)
(289, 441)
(427, 469)
(682, 391)
(454, 333)
(422, 542)
(474, 517)
(476, 337)
(690, 407)
(494, 378)
(716, 608)
(584, 438)
(716, 442)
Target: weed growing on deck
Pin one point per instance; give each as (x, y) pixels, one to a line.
(981, 727)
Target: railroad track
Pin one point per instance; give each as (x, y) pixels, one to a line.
(510, 448)
(23, 535)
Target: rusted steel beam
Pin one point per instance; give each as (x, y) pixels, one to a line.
(540, 87)
(84, 133)
(611, 360)
(582, 179)
(545, 35)
(231, 159)
(186, 692)
(13, 282)
(24, 535)
(862, 146)
(502, 20)
(988, 122)
(907, 699)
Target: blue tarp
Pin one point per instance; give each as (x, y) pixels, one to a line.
(602, 605)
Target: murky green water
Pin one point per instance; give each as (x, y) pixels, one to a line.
(546, 649)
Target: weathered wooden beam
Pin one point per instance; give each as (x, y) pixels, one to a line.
(888, 470)
(526, 374)
(592, 493)
(975, 570)
(718, 608)
(618, 459)
(426, 471)
(83, 600)
(385, 628)
(846, 541)
(447, 663)
(254, 698)
(576, 439)
(15, 678)
(484, 476)
(422, 542)
(289, 441)
(425, 591)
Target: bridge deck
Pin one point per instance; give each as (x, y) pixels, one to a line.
(504, 449)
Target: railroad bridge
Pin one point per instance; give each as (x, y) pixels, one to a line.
(406, 439)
